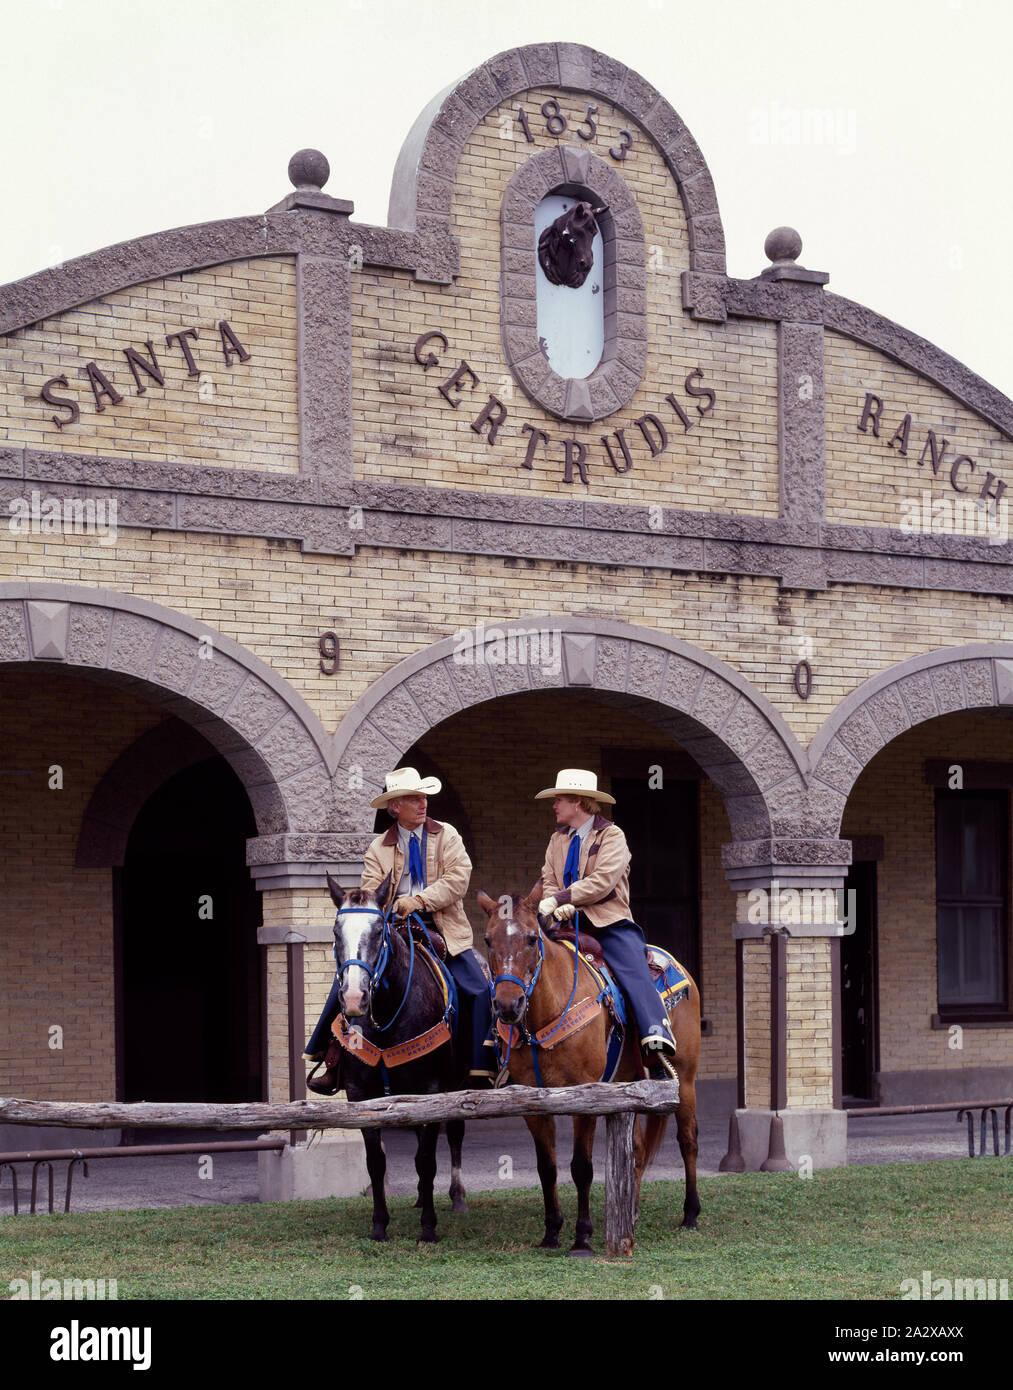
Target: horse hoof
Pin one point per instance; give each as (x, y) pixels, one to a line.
(549, 1243)
(689, 1226)
(580, 1250)
(428, 1238)
(378, 1234)
(459, 1205)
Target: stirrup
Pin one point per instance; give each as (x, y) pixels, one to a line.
(327, 1085)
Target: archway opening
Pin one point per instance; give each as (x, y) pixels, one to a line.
(494, 757)
(188, 962)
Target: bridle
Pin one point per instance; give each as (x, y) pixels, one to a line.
(525, 1037)
(374, 974)
(526, 989)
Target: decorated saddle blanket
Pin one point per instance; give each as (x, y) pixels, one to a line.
(371, 1055)
(670, 980)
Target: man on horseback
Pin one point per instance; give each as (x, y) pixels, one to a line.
(587, 869)
(429, 872)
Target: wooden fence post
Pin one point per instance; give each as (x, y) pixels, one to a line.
(620, 1185)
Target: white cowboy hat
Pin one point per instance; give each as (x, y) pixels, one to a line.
(574, 781)
(405, 781)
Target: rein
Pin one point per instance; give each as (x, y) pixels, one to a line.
(375, 974)
(412, 1048)
(542, 1038)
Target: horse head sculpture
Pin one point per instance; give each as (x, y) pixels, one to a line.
(565, 247)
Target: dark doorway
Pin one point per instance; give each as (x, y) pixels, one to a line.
(662, 829)
(859, 1015)
(191, 984)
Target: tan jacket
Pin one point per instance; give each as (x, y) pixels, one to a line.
(448, 873)
(602, 892)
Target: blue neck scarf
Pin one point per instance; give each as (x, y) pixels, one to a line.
(415, 869)
(571, 870)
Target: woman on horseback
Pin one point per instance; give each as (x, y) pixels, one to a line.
(587, 869)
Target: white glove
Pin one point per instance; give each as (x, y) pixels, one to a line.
(564, 913)
(546, 907)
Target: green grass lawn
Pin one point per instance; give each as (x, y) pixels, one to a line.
(851, 1233)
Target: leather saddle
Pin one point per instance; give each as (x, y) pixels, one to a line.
(591, 946)
(589, 943)
(435, 938)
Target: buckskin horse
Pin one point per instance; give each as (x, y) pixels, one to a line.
(393, 1034)
(536, 994)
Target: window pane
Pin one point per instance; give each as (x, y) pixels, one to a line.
(971, 910)
(948, 932)
(980, 850)
(949, 818)
(981, 955)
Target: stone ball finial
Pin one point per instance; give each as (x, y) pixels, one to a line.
(783, 245)
(308, 170)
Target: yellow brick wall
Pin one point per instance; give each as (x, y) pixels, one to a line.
(275, 601)
(277, 1023)
(756, 1009)
(296, 908)
(406, 431)
(717, 945)
(809, 1023)
(242, 416)
(56, 930)
(867, 480)
(892, 799)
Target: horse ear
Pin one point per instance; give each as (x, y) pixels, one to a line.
(535, 896)
(486, 903)
(337, 892)
(383, 892)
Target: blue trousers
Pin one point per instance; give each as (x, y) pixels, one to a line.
(625, 952)
(475, 1010)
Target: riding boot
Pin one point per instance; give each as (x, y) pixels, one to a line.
(656, 1044)
(328, 1082)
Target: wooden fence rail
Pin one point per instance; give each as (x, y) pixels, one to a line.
(619, 1103)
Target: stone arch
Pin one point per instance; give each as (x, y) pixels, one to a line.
(616, 379)
(268, 734)
(978, 676)
(734, 734)
(426, 168)
(138, 772)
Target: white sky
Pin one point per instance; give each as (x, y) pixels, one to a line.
(124, 117)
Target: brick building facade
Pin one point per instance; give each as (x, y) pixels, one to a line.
(770, 614)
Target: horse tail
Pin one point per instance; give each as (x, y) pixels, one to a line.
(654, 1133)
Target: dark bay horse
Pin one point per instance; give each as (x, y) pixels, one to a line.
(544, 982)
(389, 996)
